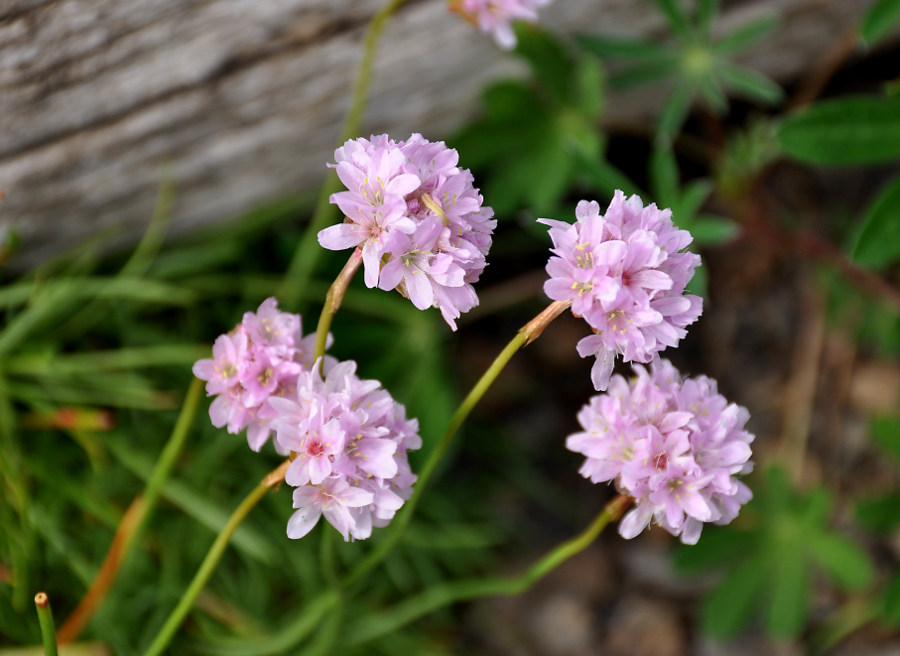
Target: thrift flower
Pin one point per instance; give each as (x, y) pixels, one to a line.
(624, 272)
(349, 440)
(496, 16)
(673, 445)
(261, 358)
(416, 217)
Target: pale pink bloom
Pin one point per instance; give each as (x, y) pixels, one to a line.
(417, 218)
(673, 445)
(624, 273)
(496, 16)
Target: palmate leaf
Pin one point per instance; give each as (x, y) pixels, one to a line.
(787, 542)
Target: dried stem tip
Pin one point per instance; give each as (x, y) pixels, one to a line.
(535, 327)
(41, 600)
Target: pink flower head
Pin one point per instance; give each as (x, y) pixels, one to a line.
(260, 359)
(496, 16)
(673, 445)
(349, 441)
(624, 272)
(416, 217)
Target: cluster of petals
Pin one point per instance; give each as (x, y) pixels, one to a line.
(261, 358)
(496, 16)
(625, 273)
(417, 219)
(348, 440)
(673, 445)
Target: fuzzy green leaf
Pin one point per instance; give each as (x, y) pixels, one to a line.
(878, 244)
(883, 17)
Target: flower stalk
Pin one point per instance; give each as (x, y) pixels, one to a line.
(45, 618)
(454, 592)
(333, 300)
(527, 334)
(162, 639)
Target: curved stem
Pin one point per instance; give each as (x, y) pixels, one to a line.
(451, 593)
(45, 618)
(527, 334)
(212, 559)
(133, 521)
(333, 301)
(308, 251)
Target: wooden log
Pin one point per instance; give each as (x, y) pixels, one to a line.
(244, 98)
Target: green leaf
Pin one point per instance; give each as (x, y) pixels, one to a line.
(788, 609)
(675, 16)
(706, 13)
(843, 561)
(589, 83)
(886, 434)
(879, 514)
(664, 176)
(643, 73)
(746, 35)
(604, 177)
(548, 58)
(730, 606)
(624, 47)
(750, 84)
(844, 132)
(674, 113)
(890, 608)
(880, 20)
(710, 230)
(878, 244)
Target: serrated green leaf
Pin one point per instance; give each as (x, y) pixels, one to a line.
(843, 561)
(878, 22)
(890, 602)
(878, 243)
(788, 608)
(749, 84)
(844, 132)
(624, 47)
(879, 514)
(746, 35)
(729, 607)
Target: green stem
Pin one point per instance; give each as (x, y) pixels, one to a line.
(333, 301)
(308, 251)
(45, 618)
(450, 593)
(527, 334)
(212, 559)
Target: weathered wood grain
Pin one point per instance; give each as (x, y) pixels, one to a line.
(244, 98)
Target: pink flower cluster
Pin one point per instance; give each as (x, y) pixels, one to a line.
(261, 358)
(418, 219)
(496, 16)
(673, 445)
(624, 273)
(348, 439)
